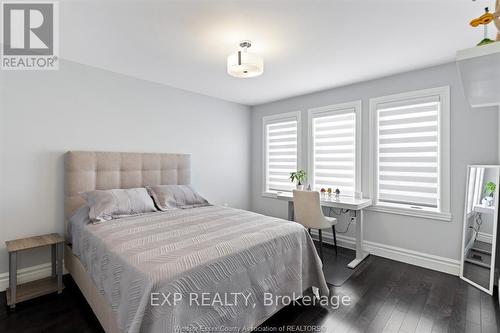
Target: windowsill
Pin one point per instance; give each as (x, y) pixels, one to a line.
(433, 215)
(270, 195)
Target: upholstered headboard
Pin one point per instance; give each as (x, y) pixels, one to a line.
(87, 171)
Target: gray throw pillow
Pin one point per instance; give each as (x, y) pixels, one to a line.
(169, 197)
(112, 204)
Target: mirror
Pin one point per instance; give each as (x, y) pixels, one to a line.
(480, 226)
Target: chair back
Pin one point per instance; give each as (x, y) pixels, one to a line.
(307, 209)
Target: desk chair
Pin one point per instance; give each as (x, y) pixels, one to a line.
(308, 212)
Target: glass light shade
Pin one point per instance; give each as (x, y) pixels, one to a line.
(245, 64)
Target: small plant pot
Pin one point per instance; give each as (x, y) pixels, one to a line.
(300, 187)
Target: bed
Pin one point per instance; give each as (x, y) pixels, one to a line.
(180, 270)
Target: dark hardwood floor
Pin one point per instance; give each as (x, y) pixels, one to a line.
(386, 296)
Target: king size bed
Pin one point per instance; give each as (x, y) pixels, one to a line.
(179, 270)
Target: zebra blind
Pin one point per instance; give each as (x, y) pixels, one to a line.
(281, 139)
(334, 150)
(408, 152)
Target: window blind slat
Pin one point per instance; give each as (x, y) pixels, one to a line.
(410, 103)
(403, 178)
(408, 168)
(334, 126)
(415, 158)
(424, 149)
(430, 139)
(404, 130)
(422, 117)
(402, 186)
(321, 120)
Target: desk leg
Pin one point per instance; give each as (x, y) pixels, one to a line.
(360, 254)
(13, 278)
(291, 216)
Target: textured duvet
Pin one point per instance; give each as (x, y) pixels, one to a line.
(151, 267)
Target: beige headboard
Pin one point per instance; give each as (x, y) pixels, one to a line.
(87, 171)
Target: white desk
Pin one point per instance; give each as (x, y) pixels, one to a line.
(355, 207)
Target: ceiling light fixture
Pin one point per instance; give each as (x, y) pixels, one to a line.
(244, 64)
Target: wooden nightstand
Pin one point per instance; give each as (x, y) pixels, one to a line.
(19, 293)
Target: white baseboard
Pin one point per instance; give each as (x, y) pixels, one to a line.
(430, 261)
(484, 237)
(343, 241)
(27, 274)
(416, 258)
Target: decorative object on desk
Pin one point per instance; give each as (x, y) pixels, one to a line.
(329, 191)
(323, 193)
(309, 187)
(484, 20)
(298, 176)
(337, 194)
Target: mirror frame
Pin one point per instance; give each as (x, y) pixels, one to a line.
(495, 224)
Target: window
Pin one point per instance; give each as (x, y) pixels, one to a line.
(281, 151)
(334, 147)
(410, 153)
(476, 179)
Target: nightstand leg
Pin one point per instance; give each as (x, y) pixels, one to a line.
(59, 267)
(54, 259)
(13, 278)
(291, 213)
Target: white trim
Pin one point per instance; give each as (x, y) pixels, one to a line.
(444, 188)
(484, 237)
(405, 211)
(273, 119)
(475, 52)
(421, 259)
(331, 109)
(430, 261)
(269, 194)
(27, 274)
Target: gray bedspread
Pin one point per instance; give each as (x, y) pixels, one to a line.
(139, 262)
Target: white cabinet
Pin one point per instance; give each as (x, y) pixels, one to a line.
(479, 69)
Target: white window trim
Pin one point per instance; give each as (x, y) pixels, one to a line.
(269, 120)
(329, 109)
(443, 212)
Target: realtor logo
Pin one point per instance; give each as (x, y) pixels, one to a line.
(30, 36)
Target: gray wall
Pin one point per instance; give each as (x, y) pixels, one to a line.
(45, 113)
(474, 140)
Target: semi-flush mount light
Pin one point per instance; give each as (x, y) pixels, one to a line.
(244, 64)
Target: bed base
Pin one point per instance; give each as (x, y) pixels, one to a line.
(97, 302)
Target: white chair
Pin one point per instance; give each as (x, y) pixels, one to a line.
(308, 212)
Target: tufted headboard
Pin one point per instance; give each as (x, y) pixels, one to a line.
(87, 171)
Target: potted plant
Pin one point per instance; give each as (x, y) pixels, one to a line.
(299, 176)
(489, 190)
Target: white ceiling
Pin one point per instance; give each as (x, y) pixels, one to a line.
(307, 45)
